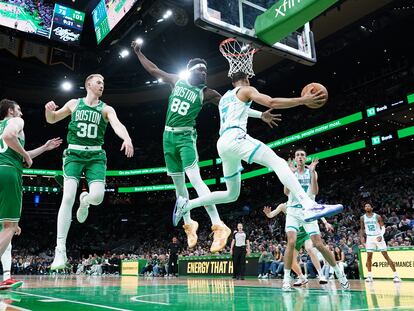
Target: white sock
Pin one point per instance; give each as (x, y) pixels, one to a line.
(320, 273)
(181, 190)
(370, 274)
(202, 189)
(286, 276)
(231, 194)
(337, 270)
(267, 157)
(395, 274)
(65, 211)
(96, 193)
(6, 260)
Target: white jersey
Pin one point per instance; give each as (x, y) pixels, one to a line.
(372, 227)
(233, 112)
(305, 181)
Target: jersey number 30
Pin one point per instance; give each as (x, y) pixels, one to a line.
(179, 106)
(87, 130)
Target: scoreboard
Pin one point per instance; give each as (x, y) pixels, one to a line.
(100, 21)
(67, 24)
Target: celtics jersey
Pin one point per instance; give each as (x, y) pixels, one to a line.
(305, 181)
(87, 126)
(233, 112)
(372, 227)
(184, 104)
(8, 156)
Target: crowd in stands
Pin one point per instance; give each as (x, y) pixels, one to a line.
(40, 10)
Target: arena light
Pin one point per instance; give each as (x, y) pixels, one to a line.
(167, 14)
(124, 53)
(66, 86)
(139, 41)
(160, 80)
(184, 74)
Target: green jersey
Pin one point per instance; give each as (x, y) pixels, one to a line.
(87, 126)
(8, 156)
(184, 104)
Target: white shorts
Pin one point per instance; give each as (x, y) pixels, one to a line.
(236, 145)
(373, 245)
(295, 220)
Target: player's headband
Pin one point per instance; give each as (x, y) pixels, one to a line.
(196, 66)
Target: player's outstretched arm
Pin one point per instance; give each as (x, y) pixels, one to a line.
(250, 93)
(267, 116)
(49, 145)
(153, 69)
(211, 97)
(53, 115)
(10, 137)
(270, 214)
(119, 130)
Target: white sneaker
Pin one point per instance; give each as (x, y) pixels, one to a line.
(300, 282)
(369, 279)
(259, 276)
(397, 279)
(60, 260)
(323, 280)
(83, 210)
(179, 212)
(344, 281)
(318, 211)
(286, 286)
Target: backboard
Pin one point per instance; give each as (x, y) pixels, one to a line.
(236, 18)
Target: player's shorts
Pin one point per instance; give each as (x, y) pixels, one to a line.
(373, 245)
(11, 187)
(235, 145)
(180, 150)
(91, 163)
(301, 237)
(295, 220)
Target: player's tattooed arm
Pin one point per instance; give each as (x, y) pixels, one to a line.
(153, 69)
(362, 230)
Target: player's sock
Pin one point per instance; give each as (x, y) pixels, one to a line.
(202, 189)
(181, 190)
(266, 157)
(286, 277)
(337, 270)
(65, 212)
(370, 274)
(395, 274)
(6, 260)
(320, 273)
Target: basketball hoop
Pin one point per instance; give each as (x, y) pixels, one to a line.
(239, 55)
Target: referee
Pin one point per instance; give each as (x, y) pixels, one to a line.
(240, 245)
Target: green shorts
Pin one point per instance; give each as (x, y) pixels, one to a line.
(91, 163)
(301, 237)
(180, 151)
(11, 187)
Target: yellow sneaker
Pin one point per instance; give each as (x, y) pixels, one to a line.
(221, 234)
(191, 232)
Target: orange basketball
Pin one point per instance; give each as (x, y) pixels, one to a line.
(316, 87)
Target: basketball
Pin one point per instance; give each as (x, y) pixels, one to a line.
(316, 87)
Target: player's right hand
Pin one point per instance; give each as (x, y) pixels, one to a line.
(27, 160)
(136, 47)
(51, 106)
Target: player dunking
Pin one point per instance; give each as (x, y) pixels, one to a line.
(12, 157)
(179, 139)
(373, 227)
(84, 154)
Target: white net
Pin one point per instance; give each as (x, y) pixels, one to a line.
(239, 55)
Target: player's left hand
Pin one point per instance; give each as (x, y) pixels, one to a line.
(271, 119)
(312, 166)
(267, 210)
(379, 238)
(329, 227)
(128, 147)
(53, 143)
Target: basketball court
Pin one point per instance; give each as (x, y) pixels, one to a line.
(132, 293)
